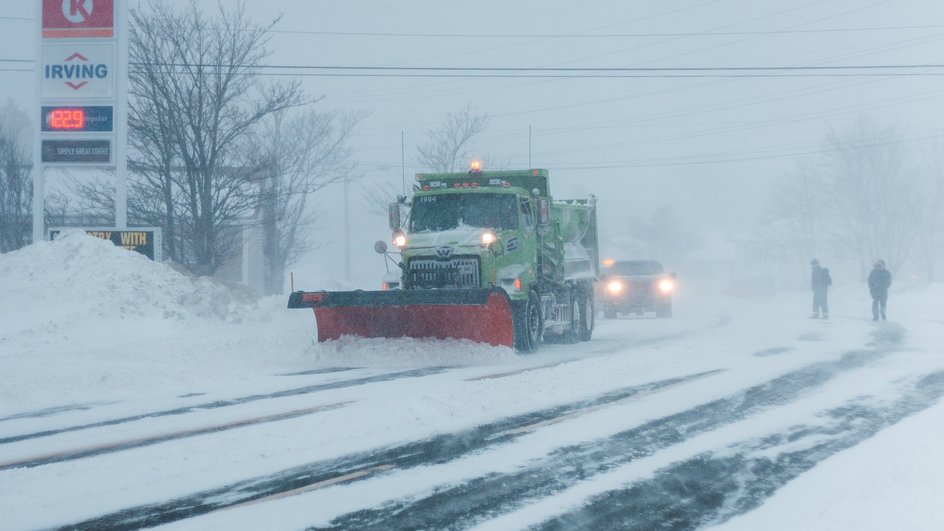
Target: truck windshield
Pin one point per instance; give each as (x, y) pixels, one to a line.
(444, 212)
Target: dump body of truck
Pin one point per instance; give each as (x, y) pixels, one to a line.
(486, 256)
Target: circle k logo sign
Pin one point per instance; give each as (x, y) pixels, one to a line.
(72, 19)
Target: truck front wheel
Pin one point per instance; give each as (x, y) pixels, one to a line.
(529, 324)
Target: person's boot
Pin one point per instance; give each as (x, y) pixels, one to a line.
(883, 316)
(825, 316)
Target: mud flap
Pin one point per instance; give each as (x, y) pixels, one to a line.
(480, 315)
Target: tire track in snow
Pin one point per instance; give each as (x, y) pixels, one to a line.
(474, 501)
(609, 346)
(90, 451)
(55, 410)
(438, 449)
(308, 389)
(712, 488)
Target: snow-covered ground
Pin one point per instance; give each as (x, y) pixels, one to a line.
(128, 389)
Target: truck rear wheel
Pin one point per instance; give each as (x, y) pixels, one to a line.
(529, 324)
(587, 314)
(577, 316)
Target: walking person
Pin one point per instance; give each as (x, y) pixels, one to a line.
(879, 281)
(820, 281)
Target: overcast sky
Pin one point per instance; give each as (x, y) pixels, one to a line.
(707, 142)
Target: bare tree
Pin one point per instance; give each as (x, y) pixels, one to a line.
(16, 186)
(872, 191)
(929, 242)
(378, 196)
(304, 153)
(195, 94)
(797, 216)
(449, 147)
(859, 197)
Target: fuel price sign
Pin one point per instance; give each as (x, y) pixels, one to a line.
(97, 118)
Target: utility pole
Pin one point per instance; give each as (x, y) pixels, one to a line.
(121, 122)
(347, 233)
(39, 192)
(271, 273)
(402, 166)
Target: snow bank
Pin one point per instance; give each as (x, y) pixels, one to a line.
(84, 320)
(91, 277)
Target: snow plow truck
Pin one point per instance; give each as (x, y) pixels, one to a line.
(486, 256)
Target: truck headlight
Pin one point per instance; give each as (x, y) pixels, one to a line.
(615, 287)
(666, 285)
(399, 239)
(488, 238)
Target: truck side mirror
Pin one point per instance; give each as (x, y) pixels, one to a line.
(394, 215)
(544, 212)
(380, 247)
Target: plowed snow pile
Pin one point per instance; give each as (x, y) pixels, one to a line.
(78, 275)
(84, 320)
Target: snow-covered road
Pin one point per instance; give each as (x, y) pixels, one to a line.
(192, 409)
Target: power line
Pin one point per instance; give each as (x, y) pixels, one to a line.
(557, 69)
(655, 163)
(600, 35)
(910, 66)
(595, 76)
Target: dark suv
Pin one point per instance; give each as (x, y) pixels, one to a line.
(636, 286)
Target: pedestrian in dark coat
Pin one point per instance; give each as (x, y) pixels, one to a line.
(820, 281)
(879, 281)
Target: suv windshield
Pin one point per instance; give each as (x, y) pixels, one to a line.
(640, 267)
(449, 211)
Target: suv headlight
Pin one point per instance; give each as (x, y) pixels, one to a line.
(666, 285)
(615, 287)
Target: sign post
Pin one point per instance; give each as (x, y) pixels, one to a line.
(82, 81)
(39, 181)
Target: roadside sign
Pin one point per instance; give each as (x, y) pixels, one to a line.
(69, 118)
(77, 19)
(145, 240)
(77, 71)
(78, 152)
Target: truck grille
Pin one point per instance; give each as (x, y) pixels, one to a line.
(429, 273)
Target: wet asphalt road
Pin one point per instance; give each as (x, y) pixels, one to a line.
(707, 488)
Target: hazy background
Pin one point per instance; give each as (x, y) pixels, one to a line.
(708, 148)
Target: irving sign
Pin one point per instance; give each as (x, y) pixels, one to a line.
(77, 19)
(78, 71)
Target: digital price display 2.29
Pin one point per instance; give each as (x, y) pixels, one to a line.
(97, 118)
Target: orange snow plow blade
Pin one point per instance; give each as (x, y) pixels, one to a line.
(481, 315)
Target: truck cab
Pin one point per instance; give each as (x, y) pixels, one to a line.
(482, 230)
